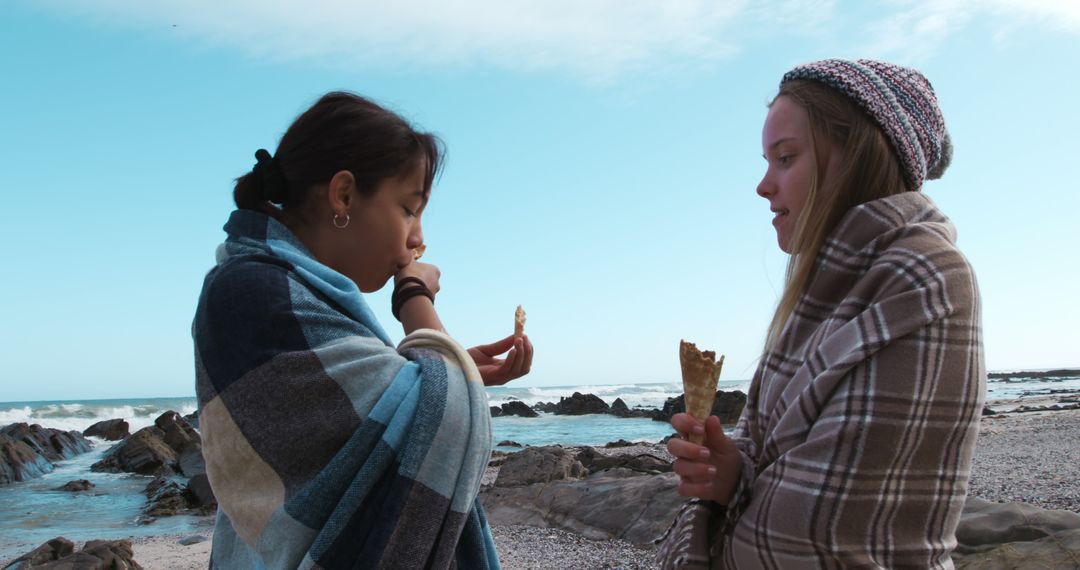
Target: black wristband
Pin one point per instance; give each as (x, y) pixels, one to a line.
(400, 296)
(401, 283)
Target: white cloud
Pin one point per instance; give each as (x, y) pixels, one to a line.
(917, 29)
(597, 39)
(593, 37)
(1060, 14)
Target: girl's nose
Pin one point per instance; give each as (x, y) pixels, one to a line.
(765, 188)
(416, 236)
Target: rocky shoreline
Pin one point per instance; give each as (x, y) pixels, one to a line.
(600, 507)
(727, 406)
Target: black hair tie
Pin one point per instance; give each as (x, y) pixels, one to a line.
(274, 186)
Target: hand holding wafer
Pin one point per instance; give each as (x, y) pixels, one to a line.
(707, 461)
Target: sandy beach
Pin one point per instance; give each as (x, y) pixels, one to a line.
(1028, 457)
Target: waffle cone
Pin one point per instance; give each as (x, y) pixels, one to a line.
(700, 373)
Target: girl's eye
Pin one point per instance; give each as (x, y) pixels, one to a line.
(785, 159)
(408, 212)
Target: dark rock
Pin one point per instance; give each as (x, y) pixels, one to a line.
(619, 443)
(620, 409)
(518, 408)
(144, 452)
(199, 495)
(170, 446)
(580, 404)
(546, 407)
(112, 430)
(507, 443)
(641, 463)
(179, 434)
(636, 508)
(52, 444)
(19, 461)
(728, 407)
(988, 412)
(539, 465)
(193, 419)
(165, 498)
(54, 549)
(76, 486)
(496, 411)
(191, 461)
(57, 554)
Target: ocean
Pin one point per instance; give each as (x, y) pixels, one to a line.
(33, 512)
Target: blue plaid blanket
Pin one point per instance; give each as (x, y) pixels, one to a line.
(325, 446)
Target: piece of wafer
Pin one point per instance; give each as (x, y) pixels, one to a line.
(700, 373)
(519, 322)
(418, 252)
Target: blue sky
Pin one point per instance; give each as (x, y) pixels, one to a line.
(602, 162)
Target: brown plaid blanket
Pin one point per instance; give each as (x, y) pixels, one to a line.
(861, 423)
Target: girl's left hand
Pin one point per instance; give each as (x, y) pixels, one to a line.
(497, 371)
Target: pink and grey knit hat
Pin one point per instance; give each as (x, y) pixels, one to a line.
(903, 103)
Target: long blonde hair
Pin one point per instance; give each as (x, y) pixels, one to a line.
(868, 169)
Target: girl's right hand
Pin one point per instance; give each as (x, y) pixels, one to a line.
(709, 471)
(425, 272)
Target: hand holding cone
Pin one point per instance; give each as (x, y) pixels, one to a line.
(700, 373)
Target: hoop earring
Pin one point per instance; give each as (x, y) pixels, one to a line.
(341, 226)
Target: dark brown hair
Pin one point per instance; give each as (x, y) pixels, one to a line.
(868, 169)
(341, 131)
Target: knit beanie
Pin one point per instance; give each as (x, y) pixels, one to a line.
(901, 101)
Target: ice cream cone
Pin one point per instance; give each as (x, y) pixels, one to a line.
(700, 373)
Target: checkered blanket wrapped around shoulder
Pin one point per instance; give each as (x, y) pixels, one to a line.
(860, 424)
(325, 446)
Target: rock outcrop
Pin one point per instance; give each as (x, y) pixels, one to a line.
(19, 461)
(76, 486)
(546, 407)
(111, 430)
(52, 444)
(518, 408)
(144, 452)
(59, 554)
(640, 463)
(1016, 535)
(166, 449)
(580, 404)
(614, 504)
(170, 446)
(29, 451)
(728, 407)
(539, 465)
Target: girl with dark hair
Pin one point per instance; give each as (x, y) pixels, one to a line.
(855, 445)
(325, 445)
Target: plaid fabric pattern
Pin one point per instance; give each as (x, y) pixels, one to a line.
(860, 425)
(325, 446)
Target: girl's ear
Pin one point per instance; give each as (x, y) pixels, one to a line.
(339, 193)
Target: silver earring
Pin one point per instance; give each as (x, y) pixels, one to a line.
(338, 225)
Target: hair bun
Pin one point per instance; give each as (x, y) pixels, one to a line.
(271, 182)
